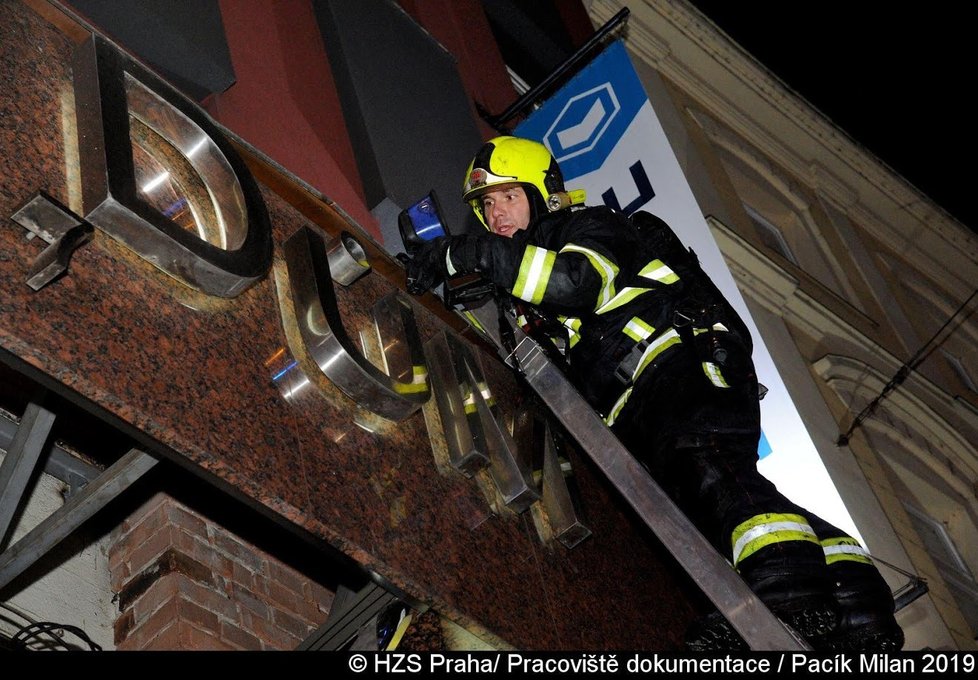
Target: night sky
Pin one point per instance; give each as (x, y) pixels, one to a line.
(898, 80)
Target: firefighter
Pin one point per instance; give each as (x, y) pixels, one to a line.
(657, 350)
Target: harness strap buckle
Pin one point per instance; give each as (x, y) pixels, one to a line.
(626, 367)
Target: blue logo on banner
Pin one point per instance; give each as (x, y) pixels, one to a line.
(583, 122)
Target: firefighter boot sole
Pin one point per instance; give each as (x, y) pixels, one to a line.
(813, 622)
(873, 635)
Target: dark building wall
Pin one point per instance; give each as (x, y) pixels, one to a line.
(182, 39)
(372, 103)
(284, 100)
(407, 112)
(462, 27)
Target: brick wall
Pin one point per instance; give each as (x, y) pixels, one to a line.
(184, 582)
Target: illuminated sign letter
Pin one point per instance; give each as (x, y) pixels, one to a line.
(161, 178)
(324, 339)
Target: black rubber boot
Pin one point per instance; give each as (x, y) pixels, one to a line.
(812, 620)
(865, 604)
(800, 598)
(791, 578)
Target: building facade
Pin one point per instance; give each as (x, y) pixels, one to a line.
(852, 274)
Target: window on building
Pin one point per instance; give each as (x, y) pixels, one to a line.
(779, 210)
(954, 571)
(929, 310)
(771, 236)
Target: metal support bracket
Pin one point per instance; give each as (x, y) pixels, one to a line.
(60, 228)
(561, 71)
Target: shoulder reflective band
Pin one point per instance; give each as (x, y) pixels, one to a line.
(606, 270)
(846, 548)
(761, 531)
(655, 348)
(651, 351)
(571, 322)
(616, 409)
(535, 269)
(656, 270)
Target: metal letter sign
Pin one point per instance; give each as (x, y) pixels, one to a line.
(456, 405)
(327, 343)
(475, 436)
(559, 506)
(158, 176)
(524, 466)
(61, 229)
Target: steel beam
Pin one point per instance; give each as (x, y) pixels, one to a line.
(62, 522)
(19, 463)
(58, 462)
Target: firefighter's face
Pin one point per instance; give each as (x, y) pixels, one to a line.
(506, 209)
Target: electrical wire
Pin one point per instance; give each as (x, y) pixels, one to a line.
(915, 588)
(45, 635)
(904, 371)
(34, 631)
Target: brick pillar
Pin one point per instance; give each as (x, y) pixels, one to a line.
(183, 582)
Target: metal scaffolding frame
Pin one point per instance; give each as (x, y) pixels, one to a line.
(23, 454)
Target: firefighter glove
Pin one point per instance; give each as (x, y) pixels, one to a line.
(427, 267)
